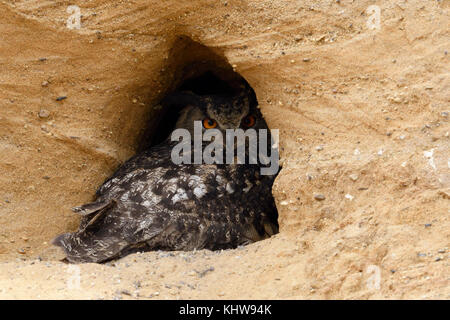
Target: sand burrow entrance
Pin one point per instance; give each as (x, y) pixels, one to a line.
(193, 67)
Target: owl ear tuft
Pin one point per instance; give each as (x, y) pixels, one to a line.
(248, 96)
(181, 98)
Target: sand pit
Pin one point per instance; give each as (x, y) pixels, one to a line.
(363, 195)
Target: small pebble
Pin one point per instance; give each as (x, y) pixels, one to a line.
(201, 274)
(43, 113)
(61, 98)
(353, 177)
(319, 148)
(427, 225)
(125, 292)
(319, 197)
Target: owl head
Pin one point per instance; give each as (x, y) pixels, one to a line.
(219, 111)
(227, 113)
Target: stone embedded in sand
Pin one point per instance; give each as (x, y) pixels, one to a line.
(319, 197)
(43, 114)
(353, 177)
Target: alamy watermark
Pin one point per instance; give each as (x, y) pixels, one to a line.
(235, 140)
(74, 21)
(374, 21)
(374, 280)
(74, 277)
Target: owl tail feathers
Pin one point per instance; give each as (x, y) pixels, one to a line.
(80, 248)
(93, 207)
(92, 242)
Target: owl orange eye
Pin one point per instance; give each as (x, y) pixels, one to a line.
(248, 121)
(209, 123)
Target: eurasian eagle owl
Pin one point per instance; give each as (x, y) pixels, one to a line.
(150, 203)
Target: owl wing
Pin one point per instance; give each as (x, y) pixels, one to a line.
(102, 234)
(106, 233)
(142, 208)
(153, 159)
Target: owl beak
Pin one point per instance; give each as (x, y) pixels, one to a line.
(230, 125)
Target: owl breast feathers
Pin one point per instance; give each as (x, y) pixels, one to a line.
(150, 203)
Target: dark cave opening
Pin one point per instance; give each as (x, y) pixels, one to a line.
(194, 68)
(155, 203)
(190, 66)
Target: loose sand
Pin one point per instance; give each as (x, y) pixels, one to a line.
(363, 117)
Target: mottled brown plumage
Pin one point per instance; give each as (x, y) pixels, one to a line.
(150, 203)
